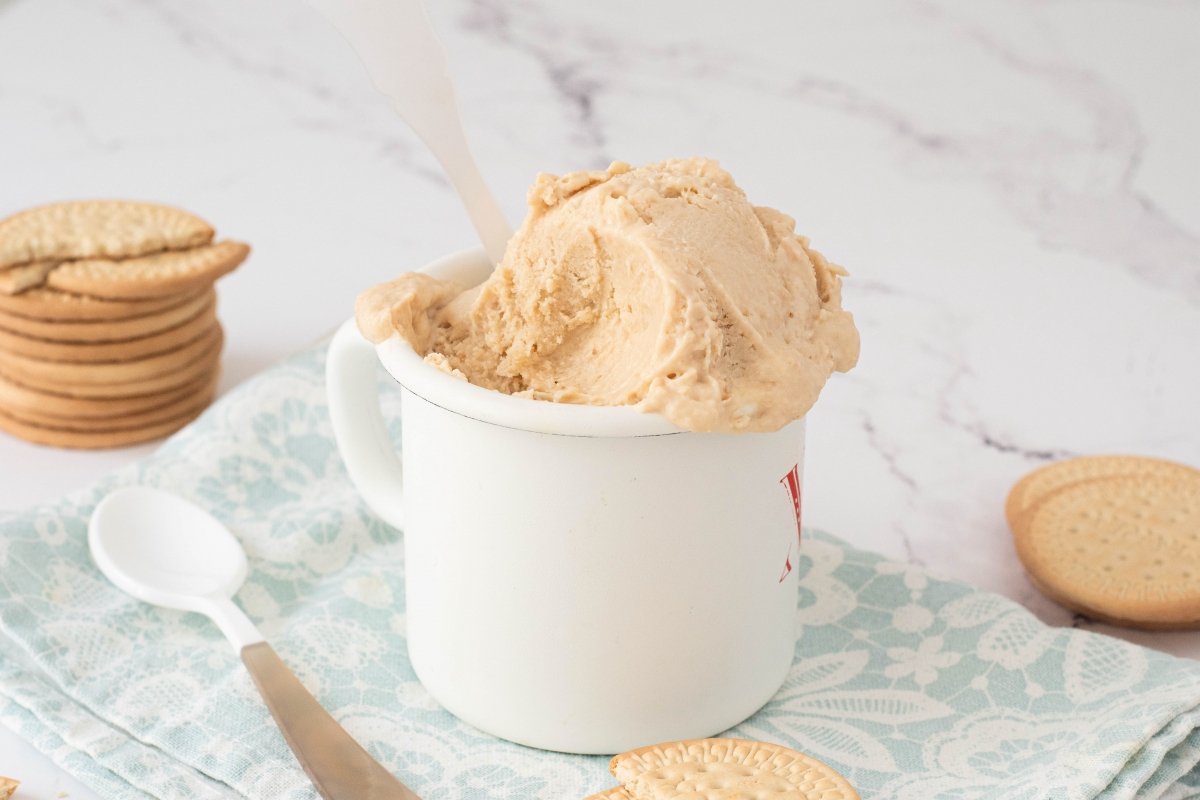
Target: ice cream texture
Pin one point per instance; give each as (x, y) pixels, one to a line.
(659, 287)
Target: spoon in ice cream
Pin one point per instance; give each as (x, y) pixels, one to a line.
(408, 65)
(166, 551)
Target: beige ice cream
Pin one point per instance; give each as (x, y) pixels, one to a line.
(659, 287)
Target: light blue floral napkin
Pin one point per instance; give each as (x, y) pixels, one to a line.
(913, 687)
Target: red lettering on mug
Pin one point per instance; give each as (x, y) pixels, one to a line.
(791, 482)
(787, 565)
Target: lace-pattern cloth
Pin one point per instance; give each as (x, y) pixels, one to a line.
(912, 687)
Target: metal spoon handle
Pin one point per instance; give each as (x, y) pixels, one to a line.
(338, 766)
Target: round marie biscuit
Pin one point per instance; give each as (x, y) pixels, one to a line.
(97, 229)
(724, 769)
(93, 352)
(195, 400)
(187, 373)
(616, 793)
(14, 280)
(1123, 549)
(43, 304)
(1028, 491)
(20, 400)
(149, 276)
(106, 373)
(111, 330)
(95, 439)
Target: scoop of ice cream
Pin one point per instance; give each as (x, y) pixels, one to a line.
(659, 287)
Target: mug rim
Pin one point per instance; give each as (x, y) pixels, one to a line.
(457, 396)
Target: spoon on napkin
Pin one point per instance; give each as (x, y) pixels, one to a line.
(166, 551)
(407, 64)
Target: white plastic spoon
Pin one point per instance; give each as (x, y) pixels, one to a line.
(407, 64)
(164, 550)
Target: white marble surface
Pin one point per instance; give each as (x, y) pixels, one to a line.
(1012, 185)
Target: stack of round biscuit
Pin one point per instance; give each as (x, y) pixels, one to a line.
(108, 326)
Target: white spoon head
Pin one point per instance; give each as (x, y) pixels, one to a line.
(164, 550)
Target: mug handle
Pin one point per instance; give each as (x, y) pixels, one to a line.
(362, 437)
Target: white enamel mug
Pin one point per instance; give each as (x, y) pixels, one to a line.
(579, 578)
